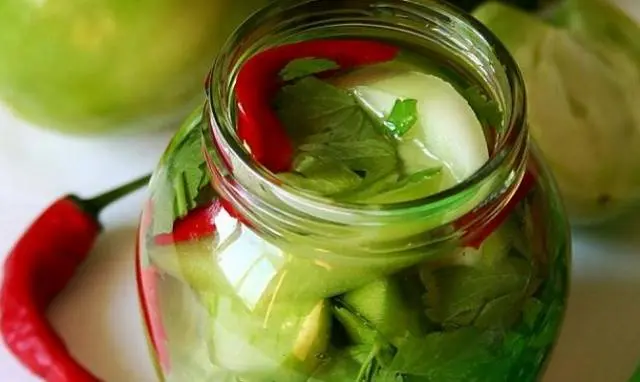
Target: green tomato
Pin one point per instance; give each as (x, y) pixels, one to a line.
(88, 67)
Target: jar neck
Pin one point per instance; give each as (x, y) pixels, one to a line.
(431, 27)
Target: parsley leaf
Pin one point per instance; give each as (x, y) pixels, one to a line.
(321, 176)
(531, 311)
(360, 353)
(488, 111)
(184, 182)
(305, 67)
(374, 352)
(326, 123)
(442, 356)
(501, 312)
(403, 116)
(414, 186)
(463, 295)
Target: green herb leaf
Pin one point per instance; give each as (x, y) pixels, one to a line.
(321, 176)
(443, 357)
(415, 186)
(305, 67)
(531, 311)
(394, 188)
(184, 182)
(457, 295)
(327, 123)
(349, 151)
(403, 116)
(488, 111)
(371, 190)
(360, 353)
(501, 312)
(547, 333)
(162, 195)
(370, 367)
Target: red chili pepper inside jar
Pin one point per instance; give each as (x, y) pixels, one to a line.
(358, 200)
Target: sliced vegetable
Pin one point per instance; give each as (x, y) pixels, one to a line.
(383, 305)
(447, 127)
(447, 131)
(289, 336)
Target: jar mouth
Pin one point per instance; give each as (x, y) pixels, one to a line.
(280, 23)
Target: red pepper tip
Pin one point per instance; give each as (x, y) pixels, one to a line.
(258, 80)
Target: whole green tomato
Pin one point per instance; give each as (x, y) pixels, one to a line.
(89, 67)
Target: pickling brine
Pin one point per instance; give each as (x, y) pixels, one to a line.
(355, 204)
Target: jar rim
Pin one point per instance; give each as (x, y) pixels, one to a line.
(509, 149)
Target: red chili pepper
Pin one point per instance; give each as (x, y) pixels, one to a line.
(479, 232)
(147, 277)
(258, 82)
(198, 223)
(39, 267)
(147, 281)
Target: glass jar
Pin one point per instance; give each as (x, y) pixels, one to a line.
(246, 279)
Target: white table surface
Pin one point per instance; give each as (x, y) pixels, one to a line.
(98, 315)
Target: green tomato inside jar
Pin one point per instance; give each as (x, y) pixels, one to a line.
(110, 65)
(355, 205)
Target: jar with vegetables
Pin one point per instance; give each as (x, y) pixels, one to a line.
(358, 200)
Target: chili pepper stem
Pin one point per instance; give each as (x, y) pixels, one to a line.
(96, 204)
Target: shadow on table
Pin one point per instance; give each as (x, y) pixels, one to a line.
(100, 308)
